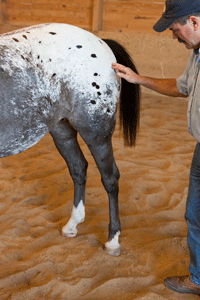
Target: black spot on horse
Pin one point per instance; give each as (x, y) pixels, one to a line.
(54, 74)
(108, 110)
(97, 87)
(93, 102)
(16, 40)
(48, 99)
(94, 84)
(70, 48)
(50, 59)
(79, 46)
(93, 55)
(38, 57)
(40, 42)
(53, 33)
(25, 58)
(95, 74)
(109, 91)
(24, 36)
(99, 93)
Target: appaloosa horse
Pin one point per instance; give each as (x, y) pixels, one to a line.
(58, 78)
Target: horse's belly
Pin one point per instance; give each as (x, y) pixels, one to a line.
(16, 138)
(24, 119)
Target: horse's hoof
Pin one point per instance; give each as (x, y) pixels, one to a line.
(112, 246)
(69, 234)
(113, 251)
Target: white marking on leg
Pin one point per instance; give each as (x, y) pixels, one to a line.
(113, 247)
(77, 217)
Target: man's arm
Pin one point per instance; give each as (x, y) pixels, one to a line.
(163, 86)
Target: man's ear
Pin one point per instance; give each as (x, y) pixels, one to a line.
(194, 22)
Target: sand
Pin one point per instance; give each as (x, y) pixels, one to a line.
(36, 198)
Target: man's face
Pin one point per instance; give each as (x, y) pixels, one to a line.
(186, 34)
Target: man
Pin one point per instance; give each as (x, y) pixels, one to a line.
(182, 17)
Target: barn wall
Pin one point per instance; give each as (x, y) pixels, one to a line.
(118, 15)
(22, 13)
(131, 15)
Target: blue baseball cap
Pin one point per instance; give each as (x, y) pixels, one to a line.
(175, 9)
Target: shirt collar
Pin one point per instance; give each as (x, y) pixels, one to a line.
(197, 52)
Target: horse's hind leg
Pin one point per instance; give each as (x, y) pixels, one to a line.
(65, 139)
(102, 151)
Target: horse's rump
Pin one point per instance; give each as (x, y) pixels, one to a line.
(49, 72)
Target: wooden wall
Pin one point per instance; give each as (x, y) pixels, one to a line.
(22, 13)
(131, 15)
(117, 15)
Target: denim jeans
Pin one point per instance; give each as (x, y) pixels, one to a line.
(192, 217)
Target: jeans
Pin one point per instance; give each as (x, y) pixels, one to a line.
(192, 217)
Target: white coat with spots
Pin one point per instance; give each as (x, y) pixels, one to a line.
(58, 78)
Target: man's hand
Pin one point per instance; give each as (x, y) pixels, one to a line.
(126, 73)
(163, 86)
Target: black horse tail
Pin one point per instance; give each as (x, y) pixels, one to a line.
(129, 97)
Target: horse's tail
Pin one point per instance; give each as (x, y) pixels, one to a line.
(129, 97)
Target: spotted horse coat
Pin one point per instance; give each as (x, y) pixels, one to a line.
(58, 78)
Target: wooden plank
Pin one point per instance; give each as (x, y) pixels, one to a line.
(131, 6)
(139, 25)
(45, 6)
(3, 11)
(97, 15)
(130, 16)
(82, 14)
(31, 22)
(126, 16)
(87, 3)
(128, 2)
(137, 9)
(80, 17)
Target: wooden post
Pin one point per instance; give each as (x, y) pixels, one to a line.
(97, 15)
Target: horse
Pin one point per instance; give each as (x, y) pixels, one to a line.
(57, 79)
